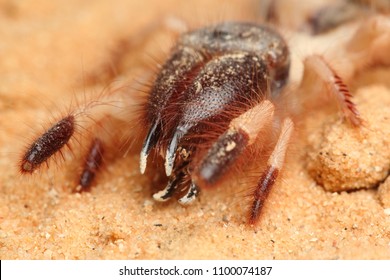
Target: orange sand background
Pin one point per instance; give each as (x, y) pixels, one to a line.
(47, 48)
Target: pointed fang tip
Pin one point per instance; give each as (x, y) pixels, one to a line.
(169, 159)
(161, 196)
(171, 152)
(190, 196)
(142, 161)
(149, 143)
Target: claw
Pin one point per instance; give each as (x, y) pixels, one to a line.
(190, 196)
(143, 161)
(169, 190)
(171, 151)
(164, 194)
(170, 156)
(149, 143)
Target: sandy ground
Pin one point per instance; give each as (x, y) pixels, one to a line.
(52, 51)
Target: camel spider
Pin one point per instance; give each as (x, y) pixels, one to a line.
(222, 86)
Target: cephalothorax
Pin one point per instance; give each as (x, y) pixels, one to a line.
(220, 88)
(213, 75)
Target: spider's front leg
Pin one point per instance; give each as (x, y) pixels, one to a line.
(93, 162)
(334, 85)
(364, 46)
(270, 174)
(90, 118)
(242, 132)
(363, 162)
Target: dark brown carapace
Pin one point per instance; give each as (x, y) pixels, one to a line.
(214, 75)
(213, 96)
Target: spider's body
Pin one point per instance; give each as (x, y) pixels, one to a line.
(212, 98)
(213, 75)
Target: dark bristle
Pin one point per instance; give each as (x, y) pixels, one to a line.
(48, 144)
(351, 112)
(92, 164)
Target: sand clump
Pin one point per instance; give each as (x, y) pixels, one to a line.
(384, 193)
(343, 158)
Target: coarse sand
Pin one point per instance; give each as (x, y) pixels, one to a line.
(52, 50)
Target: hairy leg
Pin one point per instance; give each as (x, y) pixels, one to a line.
(270, 174)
